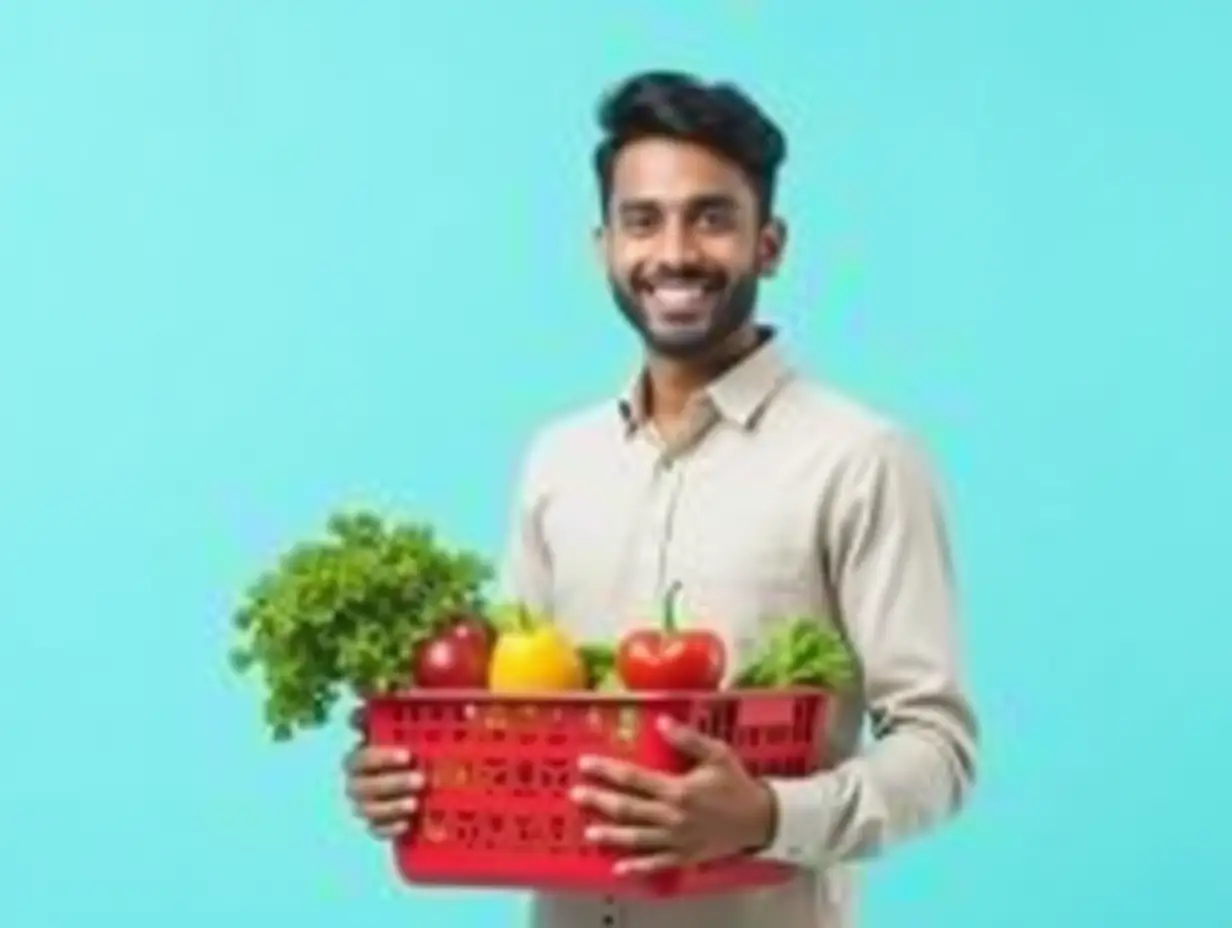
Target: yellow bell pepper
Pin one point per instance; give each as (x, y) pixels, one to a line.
(531, 655)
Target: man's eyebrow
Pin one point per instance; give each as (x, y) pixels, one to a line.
(639, 204)
(713, 200)
(701, 201)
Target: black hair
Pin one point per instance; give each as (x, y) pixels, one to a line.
(674, 105)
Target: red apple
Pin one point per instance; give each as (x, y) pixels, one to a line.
(446, 663)
(472, 631)
(456, 657)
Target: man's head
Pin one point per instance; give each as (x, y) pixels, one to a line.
(687, 175)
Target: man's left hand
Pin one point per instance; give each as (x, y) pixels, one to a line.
(716, 810)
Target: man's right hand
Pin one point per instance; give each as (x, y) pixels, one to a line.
(382, 784)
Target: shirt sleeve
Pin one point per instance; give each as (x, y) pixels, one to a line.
(525, 573)
(889, 566)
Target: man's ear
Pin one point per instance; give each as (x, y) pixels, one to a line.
(599, 242)
(771, 244)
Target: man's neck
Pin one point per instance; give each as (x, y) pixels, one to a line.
(673, 382)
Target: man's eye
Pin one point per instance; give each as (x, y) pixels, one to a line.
(639, 222)
(715, 219)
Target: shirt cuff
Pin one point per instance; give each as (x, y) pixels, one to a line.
(802, 809)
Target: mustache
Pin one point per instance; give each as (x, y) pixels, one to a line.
(683, 275)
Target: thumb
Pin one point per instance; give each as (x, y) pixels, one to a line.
(359, 722)
(693, 743)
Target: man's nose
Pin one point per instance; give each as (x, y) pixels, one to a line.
(677, 246)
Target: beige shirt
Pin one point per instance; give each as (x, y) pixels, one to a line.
(787, 499)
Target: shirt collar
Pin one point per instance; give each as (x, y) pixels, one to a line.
(739, 395)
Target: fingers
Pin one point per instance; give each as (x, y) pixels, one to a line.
(372, 787)
(392, 830)
(629, 778)
(388, 818)
(650, 829)
(694, 744)
(382, 787)
(631, 838)
(626, 809)
(368, 759)
(651, 863)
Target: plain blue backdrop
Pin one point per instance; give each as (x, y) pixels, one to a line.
(258, 260)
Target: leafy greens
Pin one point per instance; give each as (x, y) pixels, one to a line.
(348, 611)
(800, 652)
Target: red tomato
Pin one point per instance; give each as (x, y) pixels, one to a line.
(668, 658)
(652, 659)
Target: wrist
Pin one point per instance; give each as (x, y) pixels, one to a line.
(764, 820)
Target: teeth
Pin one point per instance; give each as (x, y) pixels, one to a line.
(675, 297)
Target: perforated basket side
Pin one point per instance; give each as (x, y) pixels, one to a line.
(497, 814)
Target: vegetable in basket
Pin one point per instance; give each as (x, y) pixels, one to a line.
(800, 652)
(599, 659)
(457, 656)
(351, 611)
(670, 658)
(532, 655)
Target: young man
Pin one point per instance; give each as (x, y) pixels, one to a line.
(766, 494)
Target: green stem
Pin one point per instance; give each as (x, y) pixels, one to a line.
(524, 622)
(670, 622)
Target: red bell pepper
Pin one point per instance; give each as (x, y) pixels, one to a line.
(669, 658)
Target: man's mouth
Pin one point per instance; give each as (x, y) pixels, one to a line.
(680, 301)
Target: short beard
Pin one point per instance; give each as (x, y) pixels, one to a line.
(730, 315)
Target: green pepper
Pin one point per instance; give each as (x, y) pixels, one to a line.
(600, 663)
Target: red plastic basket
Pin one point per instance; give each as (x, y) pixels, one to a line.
(496, 813)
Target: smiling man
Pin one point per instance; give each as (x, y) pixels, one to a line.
(765, 493)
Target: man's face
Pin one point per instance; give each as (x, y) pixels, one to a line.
(684, 246)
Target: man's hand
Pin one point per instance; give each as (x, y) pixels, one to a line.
(382, 785)
(717, 810)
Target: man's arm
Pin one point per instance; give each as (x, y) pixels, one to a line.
(889, 564)
(526, 566)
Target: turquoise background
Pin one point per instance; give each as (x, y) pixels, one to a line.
(260, 259)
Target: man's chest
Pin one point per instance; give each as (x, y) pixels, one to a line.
(737, 526)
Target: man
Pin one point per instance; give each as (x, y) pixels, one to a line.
(766, 494)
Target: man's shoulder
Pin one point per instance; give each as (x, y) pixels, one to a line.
(828, 413)
(832, 414)
(856, 435)
(576, 431)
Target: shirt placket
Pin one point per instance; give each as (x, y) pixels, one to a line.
(614, 914)
(670, 478)
(673, 466)
(660, 535)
